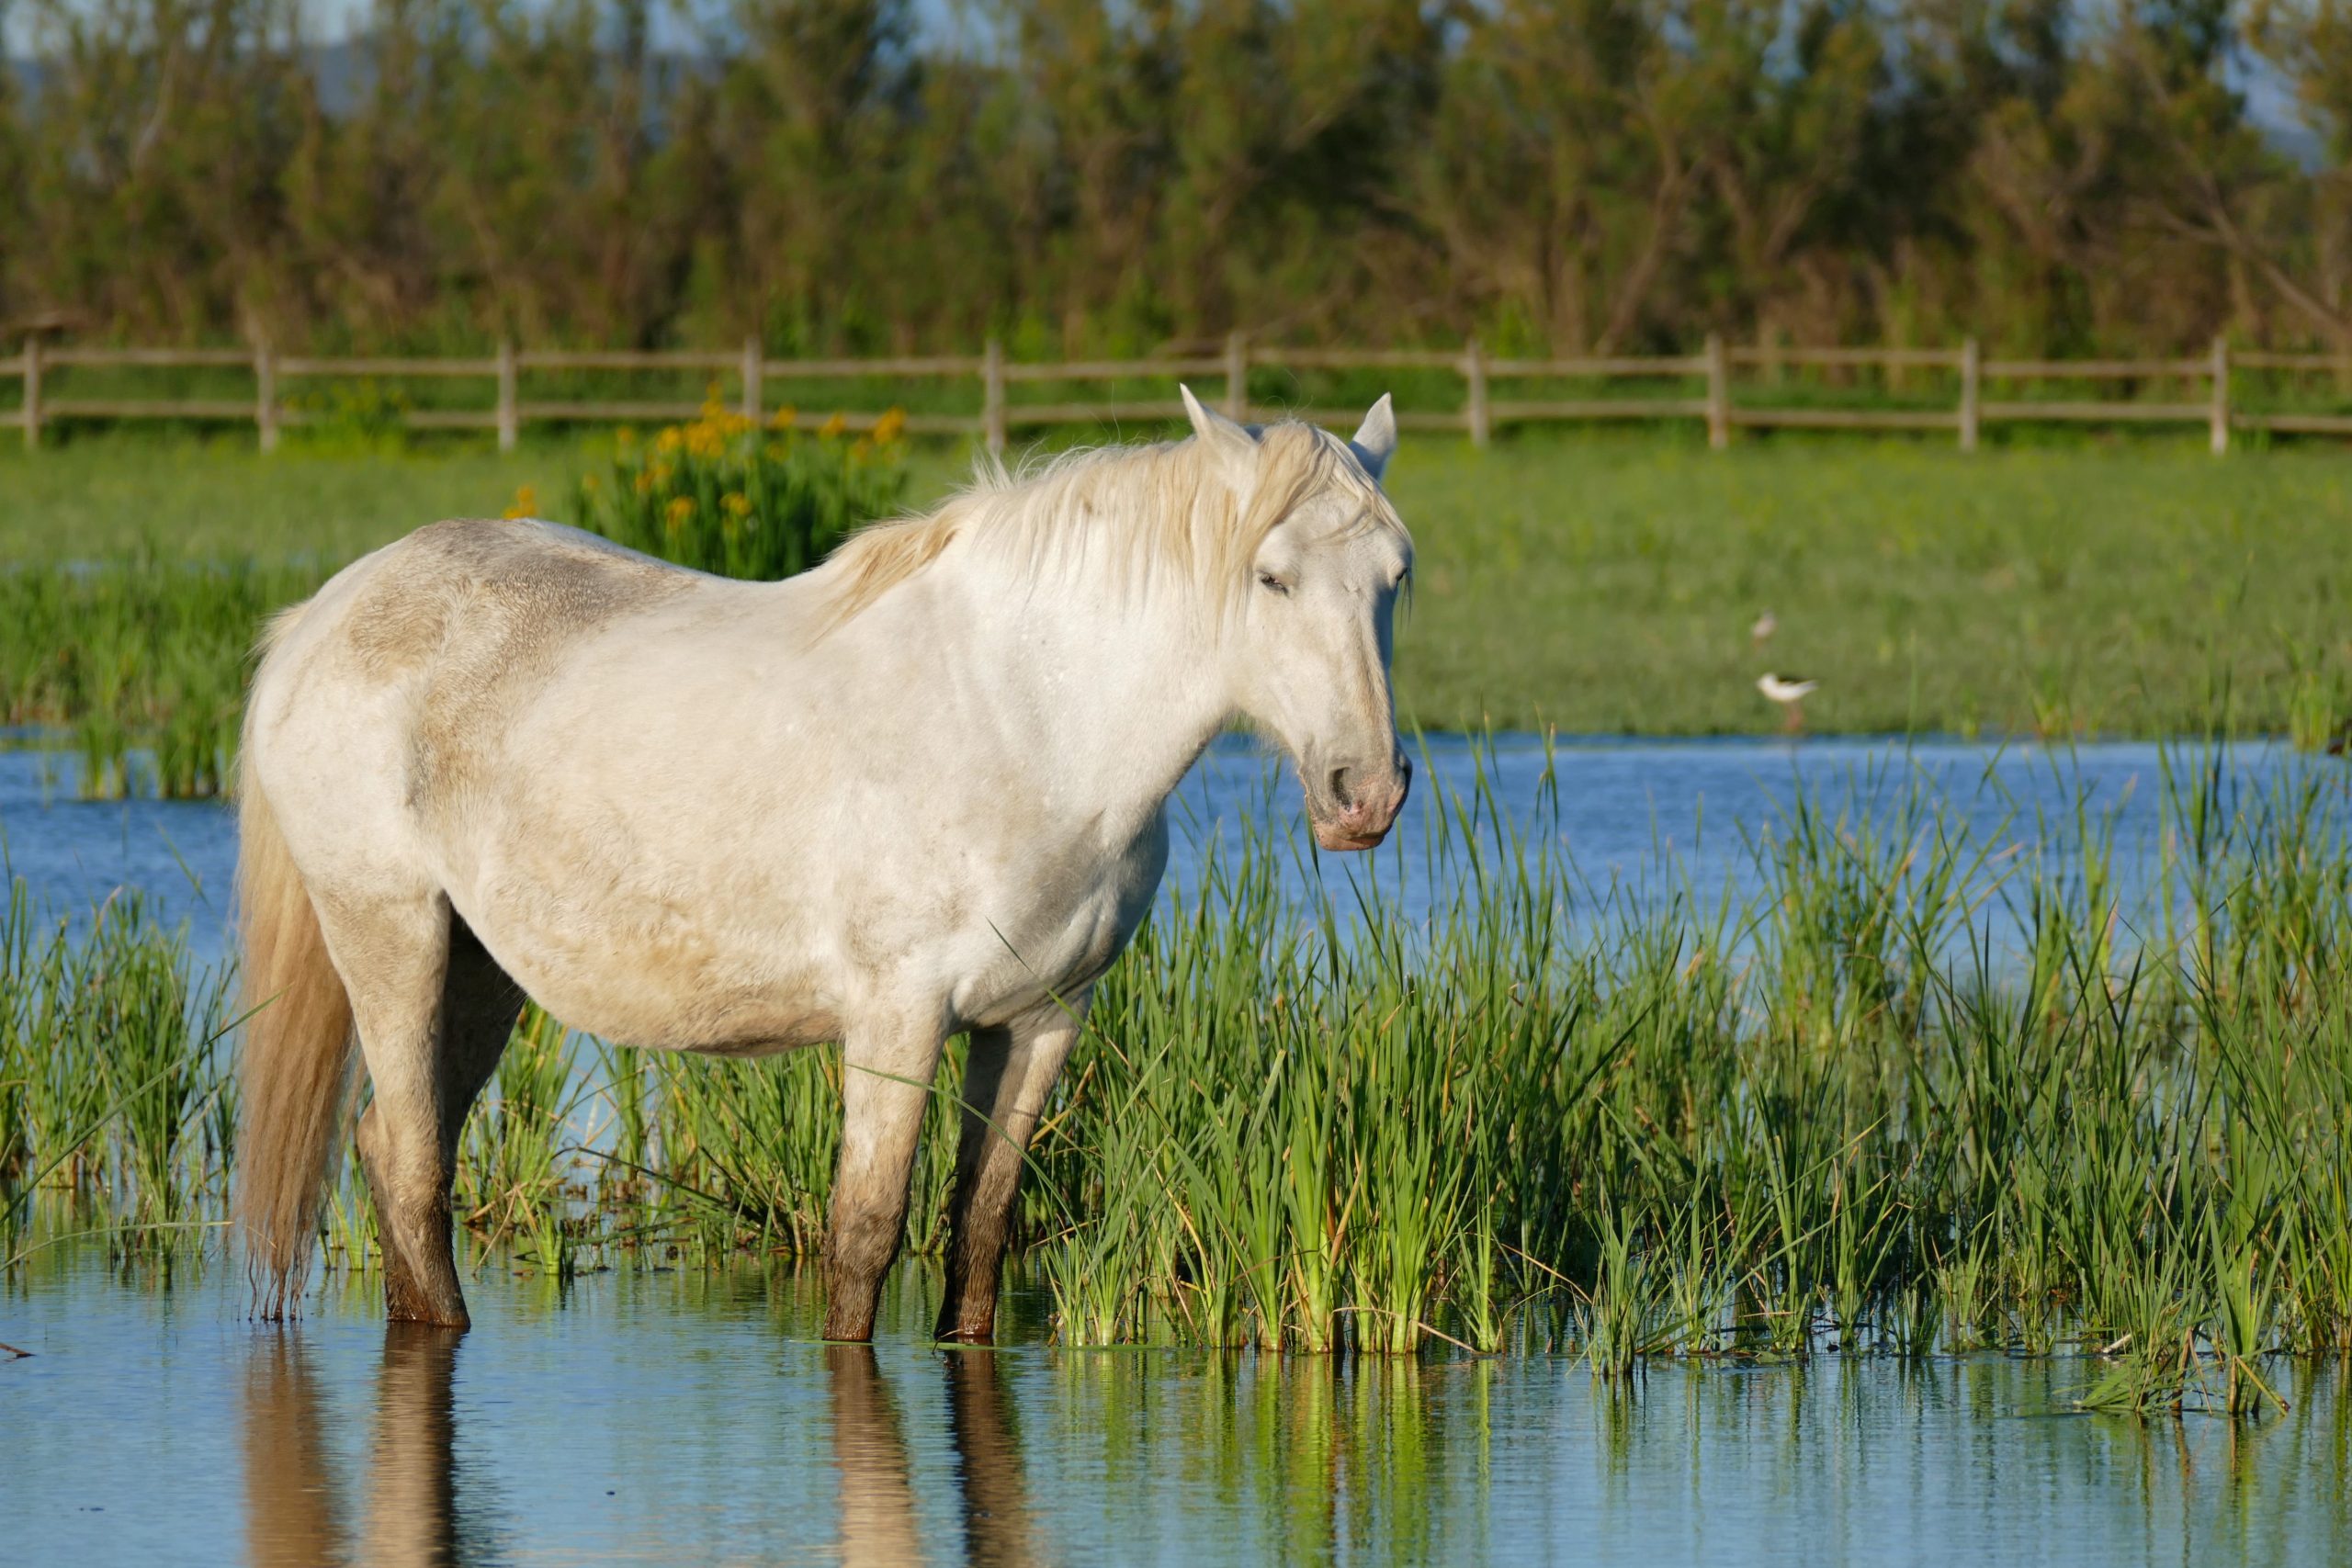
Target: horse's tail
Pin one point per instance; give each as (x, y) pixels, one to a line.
(294, 1073)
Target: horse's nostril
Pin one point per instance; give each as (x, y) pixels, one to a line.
(1340, 786)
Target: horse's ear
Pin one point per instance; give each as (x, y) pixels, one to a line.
(1375, 440)
(1233, 444)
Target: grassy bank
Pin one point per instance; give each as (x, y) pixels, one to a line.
(2138, 589)
(1594, 584)
(1834, 1116)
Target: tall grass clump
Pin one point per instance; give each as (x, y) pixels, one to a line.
(139, 665)
(115, 1092)
(1922, 1089)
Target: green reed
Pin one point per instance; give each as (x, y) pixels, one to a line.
(1926, 1089)
(139, 665)
(113, 1085)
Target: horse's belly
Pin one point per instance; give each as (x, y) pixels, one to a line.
(760, 956)
(745, 1020)
(668, 987)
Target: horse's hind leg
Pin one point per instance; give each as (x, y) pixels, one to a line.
(479, 1004)
(433, 1013)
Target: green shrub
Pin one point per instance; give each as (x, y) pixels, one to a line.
(728, 495)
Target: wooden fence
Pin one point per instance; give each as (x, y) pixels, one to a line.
(1484, 408)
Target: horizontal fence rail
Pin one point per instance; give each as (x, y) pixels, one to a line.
(750, 375)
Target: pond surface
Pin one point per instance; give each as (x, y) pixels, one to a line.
(1629, 816)
(686, 1417)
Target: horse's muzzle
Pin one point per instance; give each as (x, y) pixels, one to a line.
(1355, 810)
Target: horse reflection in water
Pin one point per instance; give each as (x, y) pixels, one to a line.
(413, 1514)
(290, 1514)
(877, 1489)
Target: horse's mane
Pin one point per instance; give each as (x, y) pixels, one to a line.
(1150, 518)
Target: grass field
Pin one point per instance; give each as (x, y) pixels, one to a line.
(1595, 583)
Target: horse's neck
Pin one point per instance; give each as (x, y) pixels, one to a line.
(1124, 695)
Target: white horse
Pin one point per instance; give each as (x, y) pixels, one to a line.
(918, 791)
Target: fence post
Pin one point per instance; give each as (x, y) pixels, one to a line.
(1474, 372)
(32, 391)
(2217, 420)
(1972, 377)
(1718, 394)
(510, 420)
(1236, 378)
(993, 397)
(755, 372)
(266, 394)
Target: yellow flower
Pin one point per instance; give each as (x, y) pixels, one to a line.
(784, 418)
(737, 503)
(890, 426)
(527, 503)
(626, 436)
(680, 509)
(833, 426)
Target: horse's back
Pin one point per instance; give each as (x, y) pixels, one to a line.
(415, 656)
(495, 594)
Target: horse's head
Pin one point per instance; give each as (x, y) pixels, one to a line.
(1308, 651)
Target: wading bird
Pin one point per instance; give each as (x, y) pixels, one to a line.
(1789, 693)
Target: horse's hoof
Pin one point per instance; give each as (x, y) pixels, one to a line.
(982, 1333)
(428, 1314)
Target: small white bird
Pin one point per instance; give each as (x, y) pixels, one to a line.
(1761, 632)
(1789, 693)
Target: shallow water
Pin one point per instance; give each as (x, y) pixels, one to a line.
(689, 1417)
(685, 1417)
(1629, 815)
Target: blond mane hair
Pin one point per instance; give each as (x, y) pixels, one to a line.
(1150, 519)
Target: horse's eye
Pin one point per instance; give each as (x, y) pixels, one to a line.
(1268, 580)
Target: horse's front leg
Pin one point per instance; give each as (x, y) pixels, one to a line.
(886, 1085)
(1010, 1073)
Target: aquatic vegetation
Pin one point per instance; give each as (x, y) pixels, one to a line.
(1928, 1091)
(140, 664)
(114, 1092)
